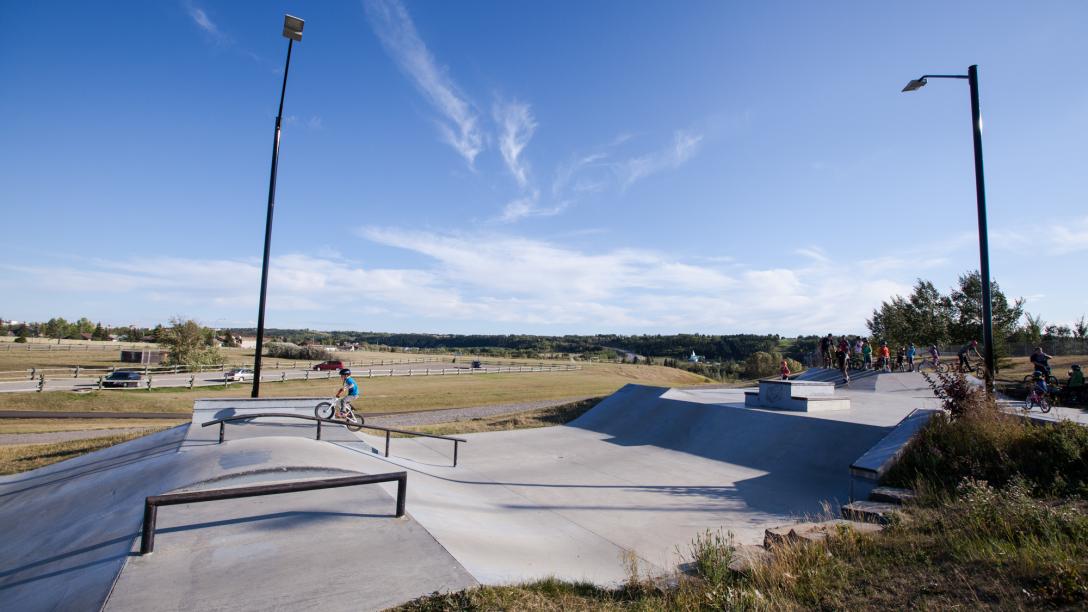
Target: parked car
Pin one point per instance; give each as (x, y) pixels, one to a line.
(476, 364)
(122, 379)
(238, 374)
(335, 364)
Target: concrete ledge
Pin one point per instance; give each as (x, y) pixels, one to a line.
(866, 472)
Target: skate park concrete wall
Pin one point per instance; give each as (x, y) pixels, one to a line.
(73, 529)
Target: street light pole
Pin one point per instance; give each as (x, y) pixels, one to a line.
(292, 29)
(983, 239)
(980, 195)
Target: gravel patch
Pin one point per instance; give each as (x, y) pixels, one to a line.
(453, 415)
(65, 436)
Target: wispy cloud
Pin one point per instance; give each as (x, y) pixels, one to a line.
(516, 127)
(529, 206)
(682, 148)
(496, 282)
(459, 124)
(202, 21)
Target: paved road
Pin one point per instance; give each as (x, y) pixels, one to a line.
(206, 379)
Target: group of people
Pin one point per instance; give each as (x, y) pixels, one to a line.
(1074, 390)
(858, 353)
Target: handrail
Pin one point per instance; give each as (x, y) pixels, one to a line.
(245, 417)
(152, 502)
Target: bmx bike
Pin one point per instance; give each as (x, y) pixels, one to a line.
(931, 364)
(1050, 378)
(327, 410)
(1036, 398)
(978, 368)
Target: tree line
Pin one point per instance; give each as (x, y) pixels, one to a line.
(928, 317)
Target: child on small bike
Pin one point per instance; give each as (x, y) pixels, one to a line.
(349, 390)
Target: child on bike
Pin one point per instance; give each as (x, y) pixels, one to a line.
(350, 391)
(971, 347)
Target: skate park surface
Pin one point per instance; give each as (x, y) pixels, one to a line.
(633, 480)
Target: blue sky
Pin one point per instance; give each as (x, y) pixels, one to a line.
(516, 167)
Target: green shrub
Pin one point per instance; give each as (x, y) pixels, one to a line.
(287, 350)
(20, 340)
(997, 448)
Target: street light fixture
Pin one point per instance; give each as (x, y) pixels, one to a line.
(292, 31)
(980, 194)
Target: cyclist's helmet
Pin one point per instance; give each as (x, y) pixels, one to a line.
(345, 372)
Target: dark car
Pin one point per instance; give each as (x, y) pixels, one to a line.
(122, 379)
(330, 365)
(477, 364)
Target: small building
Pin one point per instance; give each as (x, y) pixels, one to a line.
(695, 358)
(144, 357)
(249, 342)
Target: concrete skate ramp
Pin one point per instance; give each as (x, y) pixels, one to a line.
(638, 476)
(205, 410)
(72, 529)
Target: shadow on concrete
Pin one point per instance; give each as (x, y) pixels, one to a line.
(272, 520)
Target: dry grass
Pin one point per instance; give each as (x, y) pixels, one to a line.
(396, 394)
(981, 548)
(32, 426)
(1014, 369)
(17, 458)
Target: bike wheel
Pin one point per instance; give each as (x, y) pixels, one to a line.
(324, 410)
(1044, 406)
(354, 421)
(940, 367)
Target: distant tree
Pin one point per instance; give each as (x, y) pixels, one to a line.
(967, 318)
(57, 328)
(928, 317)
(923, 318)
(188, 344)
(761, 364)
(1057, 331)
(21, 339)
(1033, 328)
(100, 333)
(83, 326)
(159, 333)
(1080, 328)
(230, 340)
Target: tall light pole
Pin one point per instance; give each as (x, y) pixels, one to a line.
(292, 30)
(980, 195)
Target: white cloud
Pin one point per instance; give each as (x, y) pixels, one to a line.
(495, 282)
(460, 124)
(1070, 238)
(206, 25)
(516, 125)
(684, 146)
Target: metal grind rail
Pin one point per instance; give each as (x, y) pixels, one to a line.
(388, 430)
(152, 503)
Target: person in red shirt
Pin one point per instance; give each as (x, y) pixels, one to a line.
(885, 357)
(785, 369)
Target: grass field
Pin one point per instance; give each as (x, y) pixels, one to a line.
(32, 426)
(396, 394)
(15, 458)
(1017, 368)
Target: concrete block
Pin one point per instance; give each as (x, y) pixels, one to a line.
(812, 532)
(891, 495)
(747, 557)
(870, 512)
